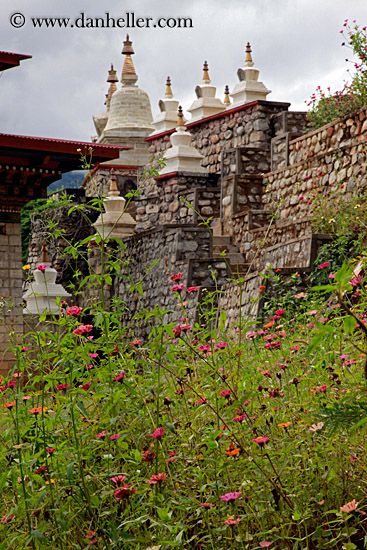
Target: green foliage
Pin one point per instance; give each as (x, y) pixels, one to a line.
(326, 107)
(32, 207)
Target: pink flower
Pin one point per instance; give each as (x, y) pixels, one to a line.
(82, 329)
(7, 517)
(206, 505)
(158, 478)
(177, 288)
(50, 450)
(119, 376)
(63, 386)
(176, 331)
(158, 432)
(279, 312)
(176, 277)
(264, 544)
(124, 491)
(229, 497)
(202, 401)
(204, 347)
(42, 267)
(101, 435)
(232, 521)
(355, 281)
(240, 418)
(324, 264)
(261, 440)
(86, 386)
(74, 310)
(332, 275)
(349, 507)
(192, 289)
(115, 436)
(93, 355)
(225, 393)
(136, 342)
(221, 345)
(118, 479)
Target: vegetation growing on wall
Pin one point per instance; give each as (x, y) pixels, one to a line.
(324, 107)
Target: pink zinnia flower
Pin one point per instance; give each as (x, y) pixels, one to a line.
(115, 436)
(206, 505)
(264, 544)
(74, 310)
(158, 478)
(42, 267)
(221, 345)
(201, 401)
(101, 435)
(82, 329)
(324, 264)
(124, 491)
(51, 450)
(136, 342)
(176, 277)
(86, 386)
(7, 517)
(229, 497)
(119, 376)
(192, 289)
(63, 386)
(177, 288)
(232, 521)
(261, 440)
(93, 355)
(225, 393)
(158, 432)
(118, 479)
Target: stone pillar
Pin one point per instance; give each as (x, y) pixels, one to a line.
(11, 280)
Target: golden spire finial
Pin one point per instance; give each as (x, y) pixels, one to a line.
(206, 78)
(226, 101)
(180, 121)
(113, 184)
(44, 254)
(112, 79)
(129, 76)
(248, 58)
(168, 93)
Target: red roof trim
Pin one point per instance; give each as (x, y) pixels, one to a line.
(162, 134)
(59, 145)
(166, 176)
(8, 60)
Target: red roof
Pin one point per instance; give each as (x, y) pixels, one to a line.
(10, 59)
(51, 155)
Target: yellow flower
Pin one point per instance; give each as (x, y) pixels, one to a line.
(52, 480)
(25, 267)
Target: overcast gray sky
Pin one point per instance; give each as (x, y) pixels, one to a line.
(296, 46)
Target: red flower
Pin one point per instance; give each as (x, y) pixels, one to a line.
(158, 432)
(118, 479)
(192, 289)
(136, 342)
(176, 277)
(148, 456)
(177, 288)
(51, 450)
(74, 310)
(124, 491)
(9, 405)
(157, 479)
(101, 435)
(324, 264)
(119, 376)
(82, 329)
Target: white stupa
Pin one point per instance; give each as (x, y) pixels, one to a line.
(182, 156)
(167, 118)
(206, 103)
(42, 293)
(114, 222)
(248, 88)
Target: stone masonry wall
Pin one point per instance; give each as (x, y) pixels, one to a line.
(332, 156)
(250, 125)
(11, 311)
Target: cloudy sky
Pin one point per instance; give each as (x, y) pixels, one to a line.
(296, 45)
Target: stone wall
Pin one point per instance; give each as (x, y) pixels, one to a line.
(159, 202)
(11, 311)
(248, 294)
(332, 156)
(151, 258)
(248, 125)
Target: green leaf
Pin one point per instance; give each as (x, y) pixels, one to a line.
(314, 343)
(70, 471)
(3, 480)
(170, 427)
(350, 324)
(37, 534)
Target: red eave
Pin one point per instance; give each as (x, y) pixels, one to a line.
(10, 59)
(60, 145)
(166, 176)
